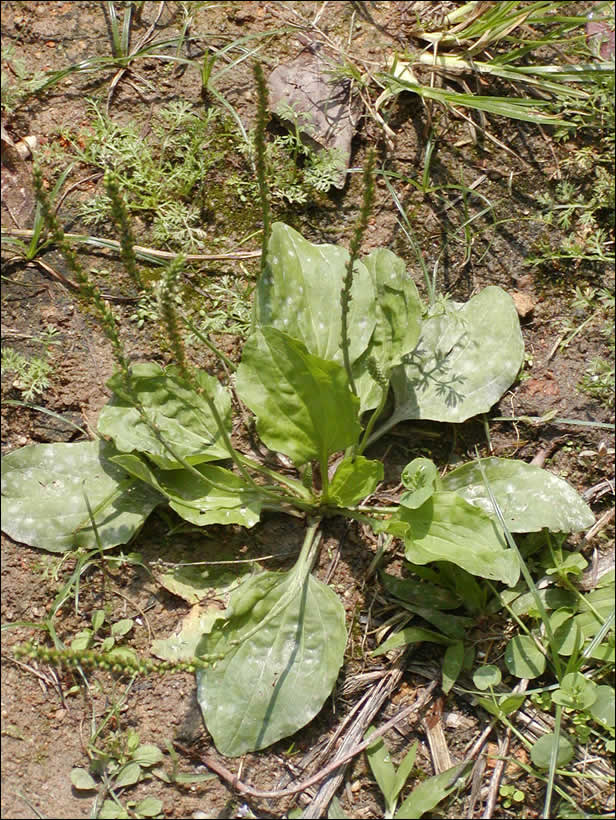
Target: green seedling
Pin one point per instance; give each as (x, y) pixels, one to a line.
(87, 638)
(424, 797)
(122, 763)
(390, 780)
(512, 796)
(30, 374)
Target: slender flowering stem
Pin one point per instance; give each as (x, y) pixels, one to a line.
(358, 234)
(261, 160)
(121, 219)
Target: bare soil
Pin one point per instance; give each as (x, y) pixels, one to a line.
(47, 713)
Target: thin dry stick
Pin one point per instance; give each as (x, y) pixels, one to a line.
(244, 788)
(327, 790)
(497, 774)
(114, 245)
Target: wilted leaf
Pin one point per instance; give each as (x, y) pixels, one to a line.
(307, 93)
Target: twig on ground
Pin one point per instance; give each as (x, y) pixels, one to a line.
(497, 774)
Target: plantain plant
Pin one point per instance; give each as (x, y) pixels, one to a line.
(333, 335)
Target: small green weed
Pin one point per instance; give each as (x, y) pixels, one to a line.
(118, 761)
(511, 796)
(297, 170)
(593, 308)
(164, 177)
(87, 638)
(391, 780)
(17, 81)
(31, 374)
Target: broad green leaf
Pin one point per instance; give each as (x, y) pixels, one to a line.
(421, 479)
(148, 807)
(132, 741)
(219, 497)
(428, 794)
(128, 775)
(43, 503)
(448, 528)
(523, 658)
(82, 780)
(182, 416)
(572, 633)
(568, 636)
(524, 604)
(508, 704)
(505, 705)
(390, 781)
(354, 480)
(487, 677)
(575, 692)
(283, 642)
(122, 627)
(452, 665)
(398, 322)
(541, 751)
(112, 811)
(303, 404)
(405, 767)
(98, 619)
(299, 293)
(82, 640)
(453, 626)
(529, 497)
(147, 755)
(411, 634)
(379, 758)
(602, 709)
(466, 358)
